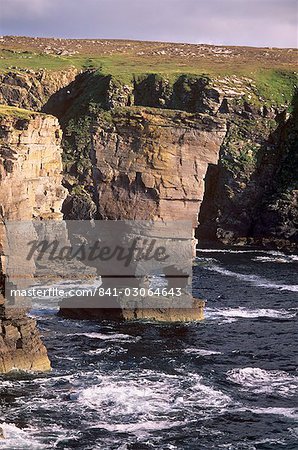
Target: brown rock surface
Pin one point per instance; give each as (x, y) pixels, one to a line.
(151, 164)
(31, 89)
(30, 188)
(188, 314)
(20, 344)
(30, 167)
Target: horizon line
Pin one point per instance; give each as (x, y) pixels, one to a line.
(145, 41)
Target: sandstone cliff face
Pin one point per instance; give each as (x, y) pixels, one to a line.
(277, 218)
(31, 89)
(145, 149)
(132, 162)
(114, 134)
(131, 152)
(30, 188)
(151, 164)
(20, 345)
(146, 164)
(245, 201)
(30, 167)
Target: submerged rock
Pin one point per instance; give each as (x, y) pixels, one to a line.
(190, 314)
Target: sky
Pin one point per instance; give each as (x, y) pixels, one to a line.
(266, 23)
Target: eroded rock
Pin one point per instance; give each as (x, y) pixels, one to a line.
(30, 188)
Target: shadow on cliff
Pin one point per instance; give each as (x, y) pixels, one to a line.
(243, 206)
(75, 106)
(89, 87)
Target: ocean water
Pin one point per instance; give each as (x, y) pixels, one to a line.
(230, 382)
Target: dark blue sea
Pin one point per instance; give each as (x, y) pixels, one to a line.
(229, 382)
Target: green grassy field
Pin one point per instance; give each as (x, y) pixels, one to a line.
(18, 113)
(273, 71)
(124, 65)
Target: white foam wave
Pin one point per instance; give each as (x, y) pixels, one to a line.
(206, 260)
(253, 279)
(277, 257)
(264, 381)
(294, 431)
(108, 337)
(108, 350)
(292, 257)
(222, 250)
(97, 351)
(128, 397)
(149, 399)
(7, 383)
(142, 429)
(40, 381)
(228, 320)
(290, 413)
(15, 438)
(51, 379)
(201, 352)
(244, 313)
(216, 398)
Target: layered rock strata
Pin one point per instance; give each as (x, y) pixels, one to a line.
(158, 149)
(251, 195)
(188, 314)
(146, 164)
(29, 89)
(246, 189)
(151, 164)
(30, 188)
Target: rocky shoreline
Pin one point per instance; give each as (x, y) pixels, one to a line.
(83, 145)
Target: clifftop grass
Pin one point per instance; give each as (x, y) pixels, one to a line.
(18, 113)
(124, 64)
(148, 55)
(277, 86)
(273, 84)
(272, 69)
(268, 73)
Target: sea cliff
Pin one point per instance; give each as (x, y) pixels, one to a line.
(30, 188)
(149, 131)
